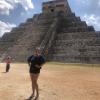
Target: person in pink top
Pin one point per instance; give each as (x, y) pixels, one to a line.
(8, 61)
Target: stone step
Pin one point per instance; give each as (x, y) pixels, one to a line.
(76, 53)
(44, 23)
(75, 59)
(72, 19)
(44, 17)
(77, 43)
(66, 48)
(70, 15)
(48, 16)
(41, 22)
(69, 30)
(64, 56)
(77, 35)
(76, 29)
(75, 24)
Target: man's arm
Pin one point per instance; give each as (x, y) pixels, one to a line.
(29, 61)
(38, 66)
(29, 64)
(41, 62)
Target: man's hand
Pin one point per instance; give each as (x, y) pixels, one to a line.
(37, 66)
(29, 64)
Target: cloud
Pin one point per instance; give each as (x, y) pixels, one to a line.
(5, 27)
(27, 4)
(99, 3)
(92, 20)
(88, 10)
(7, 5)
(86, 2)
(90, 6)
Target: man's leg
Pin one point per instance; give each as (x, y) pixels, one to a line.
(36, 87)
(33, 87)
(7, 67)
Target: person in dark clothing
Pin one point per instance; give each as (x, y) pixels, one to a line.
(8, 61)
(35, 63)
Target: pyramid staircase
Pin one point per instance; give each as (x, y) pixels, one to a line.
(21, 41)
(62, 37)
(75, 43)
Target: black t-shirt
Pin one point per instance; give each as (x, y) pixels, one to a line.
(36, 60)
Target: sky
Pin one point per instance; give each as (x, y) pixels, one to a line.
(14, 12)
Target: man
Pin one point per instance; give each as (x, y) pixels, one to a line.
(8, 61)
(35, 63)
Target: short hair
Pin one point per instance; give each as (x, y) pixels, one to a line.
(38, 49)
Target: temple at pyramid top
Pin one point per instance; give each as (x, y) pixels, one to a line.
(56, 6)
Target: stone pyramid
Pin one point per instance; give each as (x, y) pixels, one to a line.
(60, 34)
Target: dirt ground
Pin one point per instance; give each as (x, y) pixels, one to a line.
(56, 82)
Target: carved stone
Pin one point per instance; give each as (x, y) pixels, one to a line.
(60, 34)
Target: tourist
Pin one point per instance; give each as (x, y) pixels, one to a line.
(8, 61)
(35, 62)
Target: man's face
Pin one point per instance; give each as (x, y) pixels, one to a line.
(37, 52)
